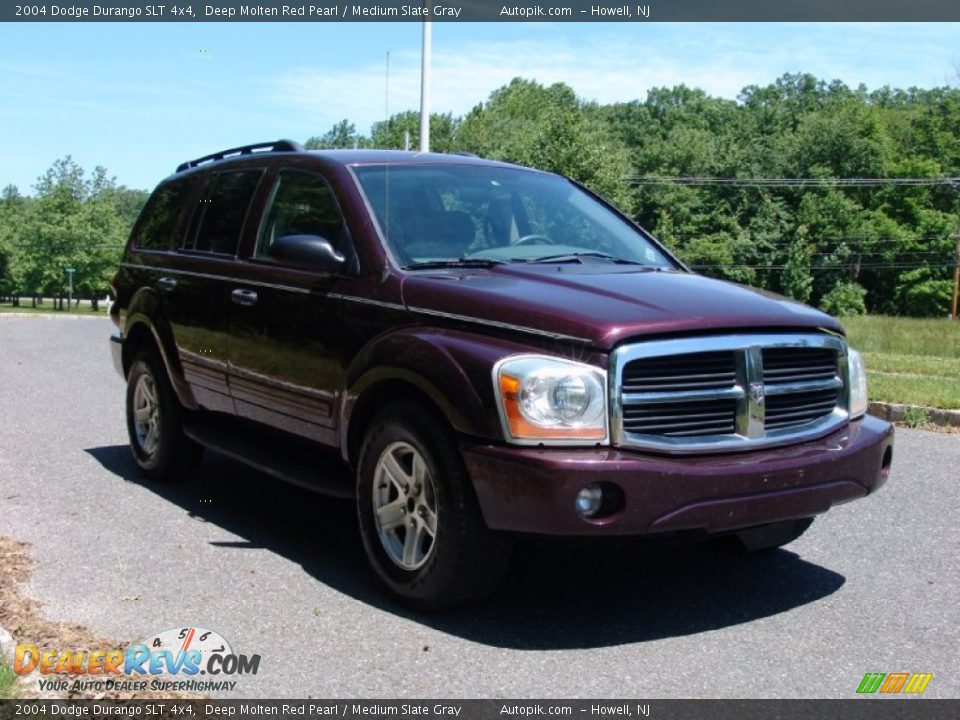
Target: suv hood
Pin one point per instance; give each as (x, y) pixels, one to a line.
(602, 304)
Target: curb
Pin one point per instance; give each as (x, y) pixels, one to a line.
(895, 412)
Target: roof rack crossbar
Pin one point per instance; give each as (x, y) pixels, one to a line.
(275, 146)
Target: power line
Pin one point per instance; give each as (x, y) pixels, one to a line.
(760, 236)
(816, 268)
(814, 241)
(792, 182)
(941, 253)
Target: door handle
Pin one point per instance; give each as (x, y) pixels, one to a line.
(167, 283)
(247, 298)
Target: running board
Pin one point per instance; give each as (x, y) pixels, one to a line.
(274, 453)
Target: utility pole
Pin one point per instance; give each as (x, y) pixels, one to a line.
(70, 271)
(425, 86)
(956, 275)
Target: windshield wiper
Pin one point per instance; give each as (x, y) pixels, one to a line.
(454, 263)
(577, 257)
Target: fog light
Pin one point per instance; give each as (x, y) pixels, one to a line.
(589, 500)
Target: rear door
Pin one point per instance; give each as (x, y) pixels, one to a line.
(196, 282)
(286, 320)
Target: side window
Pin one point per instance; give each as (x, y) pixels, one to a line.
(303, 204)
(159, 218)
(223, 210)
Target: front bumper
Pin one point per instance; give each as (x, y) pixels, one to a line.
(532, 490)
(116, 350)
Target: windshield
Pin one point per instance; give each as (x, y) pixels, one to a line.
(432, 214)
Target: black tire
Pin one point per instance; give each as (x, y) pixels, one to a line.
(465, 561)
(773, 536)
(172, 455)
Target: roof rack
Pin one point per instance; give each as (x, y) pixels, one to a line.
(276, 146)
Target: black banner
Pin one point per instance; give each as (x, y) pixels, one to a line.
(873, 708)
(485, 11)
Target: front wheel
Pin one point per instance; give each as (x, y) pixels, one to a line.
(422, 528)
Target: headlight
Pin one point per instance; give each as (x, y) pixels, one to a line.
(857, 383)
(545, 399)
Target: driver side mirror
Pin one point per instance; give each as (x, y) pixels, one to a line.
(312, 250)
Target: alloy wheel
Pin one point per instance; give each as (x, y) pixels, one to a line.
(405, 505)
(146, 414)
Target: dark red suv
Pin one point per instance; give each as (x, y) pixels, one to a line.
(487, 350)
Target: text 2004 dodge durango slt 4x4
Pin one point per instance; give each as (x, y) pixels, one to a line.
(488, 349)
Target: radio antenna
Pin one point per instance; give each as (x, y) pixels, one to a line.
(386, 90)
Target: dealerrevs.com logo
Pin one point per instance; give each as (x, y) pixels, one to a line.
(171, 661)
(894, 683)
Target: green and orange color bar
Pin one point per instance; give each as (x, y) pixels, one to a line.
(912, 683)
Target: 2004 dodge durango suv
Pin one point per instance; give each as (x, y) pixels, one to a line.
(473, 350)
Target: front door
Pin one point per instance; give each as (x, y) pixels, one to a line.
(286, 321)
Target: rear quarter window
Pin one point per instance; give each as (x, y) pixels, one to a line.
(223, 211)
(159, 221)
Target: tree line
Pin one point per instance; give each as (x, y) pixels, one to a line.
(72, 221)
(681, 163)
(849, 248)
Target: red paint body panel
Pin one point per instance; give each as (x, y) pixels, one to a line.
(604, 306)
(533, 490)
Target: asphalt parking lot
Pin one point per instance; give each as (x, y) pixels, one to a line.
(872, 587)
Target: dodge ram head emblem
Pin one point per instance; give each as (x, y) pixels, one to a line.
(756, 393)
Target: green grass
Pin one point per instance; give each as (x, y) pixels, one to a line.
(915, 417)
(8, 680)
(909, 360)
(904, 336)
(914, 391)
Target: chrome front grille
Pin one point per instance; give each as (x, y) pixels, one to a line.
(810, 379)
(701, 371)
(793, 409)
(727, 393)
(673, 419)
(781, 365)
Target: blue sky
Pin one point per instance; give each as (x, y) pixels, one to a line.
(139, 98)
